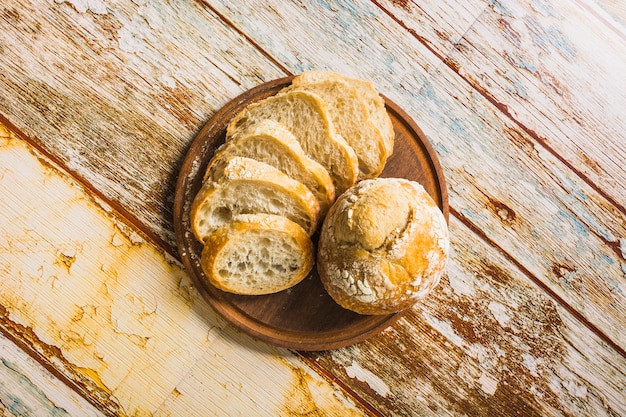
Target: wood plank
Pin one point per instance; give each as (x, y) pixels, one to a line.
(357, 39)
(116, 92)
(28, 389)
(616, 9)
(486, 342)
(557, 70)
(210, 391)
(528, 203)
(438, 25)
(465, 127)
(112, 313)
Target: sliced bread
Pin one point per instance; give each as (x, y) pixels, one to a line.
(351, 117)
(271, 142)
(306, 115)
(375, 103)
(238, 185)
(257, 254)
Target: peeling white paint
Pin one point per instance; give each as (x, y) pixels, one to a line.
(213, 333)
(374, 381)
(130, 41)
(457, 281)
(500, 312)
(94, 6)
(117, 240)
(446, 330)
(530, 362)
(576, 390)
(168, 81)
(488, 384)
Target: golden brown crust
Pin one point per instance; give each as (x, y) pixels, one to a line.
(383, 246)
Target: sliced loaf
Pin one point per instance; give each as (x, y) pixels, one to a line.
(306, 115)
(238, 185)
(257, 254)
(351, 117)
(271, 142)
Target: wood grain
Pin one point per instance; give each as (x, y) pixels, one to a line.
(530, 319)
(117, 94)
(515, 190)
(27, 389)
(113, 315)
(526, 196)
(563, 78)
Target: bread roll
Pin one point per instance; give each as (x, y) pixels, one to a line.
(383, 246)
(257, 254)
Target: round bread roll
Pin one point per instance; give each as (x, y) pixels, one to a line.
(383, 246)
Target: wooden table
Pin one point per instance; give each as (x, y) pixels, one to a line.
(524, 103)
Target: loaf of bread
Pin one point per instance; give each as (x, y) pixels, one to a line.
(272, 143)
(351, 117)
(305, 114)
(239, 185)
(257, 254)
(383, 246)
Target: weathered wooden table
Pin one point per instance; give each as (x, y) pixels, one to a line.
(523, 101)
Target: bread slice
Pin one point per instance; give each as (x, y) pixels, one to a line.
(375, 103)
(305, 114)
(351, 117)
(271, 142)
(257, 254)
(238, 185)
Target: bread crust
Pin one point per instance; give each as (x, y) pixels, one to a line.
(350, 114)
(383, 246)
(306, 115)
(375, 103)
(242, 233)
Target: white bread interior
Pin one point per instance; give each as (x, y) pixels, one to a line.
(375, 102)
(350, 114)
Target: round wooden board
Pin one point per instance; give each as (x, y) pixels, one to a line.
(303, 317)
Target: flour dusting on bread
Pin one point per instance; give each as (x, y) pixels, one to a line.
(380, 258)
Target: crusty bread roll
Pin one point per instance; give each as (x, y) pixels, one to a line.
(351, 117)
(306, 115)
(257, 254)
(239, 185)
(383, 246)
(271, 142)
